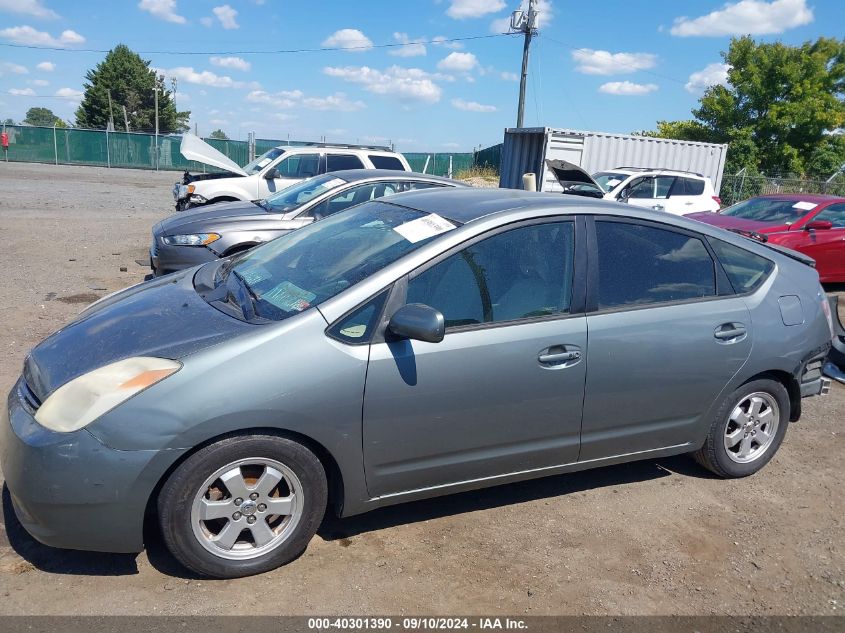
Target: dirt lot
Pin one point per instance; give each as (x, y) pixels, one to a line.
(655, 537)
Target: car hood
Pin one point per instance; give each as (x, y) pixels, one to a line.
(164, 318)
(729, 222)
(178, 223)
(570, 174)
(194, 148)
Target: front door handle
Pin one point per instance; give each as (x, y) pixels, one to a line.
(559, 356)
(730, 332)
(658, 207)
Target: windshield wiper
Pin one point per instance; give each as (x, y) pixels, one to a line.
(245, 297)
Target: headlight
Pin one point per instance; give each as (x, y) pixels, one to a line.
(195, 239)
(186, 190)
(79, 402)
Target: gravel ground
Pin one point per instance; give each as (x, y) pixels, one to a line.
(654, 537)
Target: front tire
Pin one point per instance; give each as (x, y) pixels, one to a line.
(747, 430)
(243, 505)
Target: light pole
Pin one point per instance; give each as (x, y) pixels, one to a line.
(525, 22)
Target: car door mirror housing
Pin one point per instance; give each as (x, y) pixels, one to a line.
(271, 174)
(419, 322)
(819, 225)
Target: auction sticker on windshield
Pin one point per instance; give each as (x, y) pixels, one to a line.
(805, 206)
(289, 297)
(424, 228)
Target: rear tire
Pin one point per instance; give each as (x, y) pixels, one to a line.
(243, 505)
(747, 430)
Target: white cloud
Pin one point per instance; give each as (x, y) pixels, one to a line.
(463, 9)
(69, 93)
(206, 21)
(441, 40)
(747, 17)
(226, 15)
(22, 92)
(507, 76)
(592, 62)
(233, 63)
(38, 82)
(411, 48)
(545, 13)
(458, 62)
(338, 102)
(409, 85)
(163, 10)
(35, 8)
(204, 78)
(28, 36)
(710, 75)
(47, 67)
(627, 88)
(352, 39)
(472, 106)
(9, 67)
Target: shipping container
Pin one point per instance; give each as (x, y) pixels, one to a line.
(526, 150)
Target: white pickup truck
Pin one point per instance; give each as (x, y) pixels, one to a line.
(274, 170)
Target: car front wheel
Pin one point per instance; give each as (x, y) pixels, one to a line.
(747, 430)
(243, 505)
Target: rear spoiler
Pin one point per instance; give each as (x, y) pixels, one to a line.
(764, 240)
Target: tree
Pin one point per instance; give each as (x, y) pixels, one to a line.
(43, 117)
(132, 84)
(778, 109)
(218, 133)
(9, 122)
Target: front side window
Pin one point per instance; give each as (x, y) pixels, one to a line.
(337, 162)
(299, 166)
(640, 265)
(262, 161)
(834, 214)
(522, 273)
(745, 270)
(609, 180)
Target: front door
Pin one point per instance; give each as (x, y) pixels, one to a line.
(502, 393)
(663, 342)
(651, 192)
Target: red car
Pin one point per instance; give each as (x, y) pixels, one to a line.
(810, 223)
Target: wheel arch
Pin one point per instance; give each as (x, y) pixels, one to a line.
(239, 248)
(790, 384)
(225, 198)
(334, 476)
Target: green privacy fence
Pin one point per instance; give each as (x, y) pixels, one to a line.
(137, 150)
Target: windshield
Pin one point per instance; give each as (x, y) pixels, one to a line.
(262, 161)
(295, 196)
(313, 264)
(609, 180)
(768, 210)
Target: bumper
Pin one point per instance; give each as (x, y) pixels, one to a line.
(71, 491)
(169, 259)
(818, 387)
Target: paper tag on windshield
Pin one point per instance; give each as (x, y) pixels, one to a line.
(264, 162)
(334, 182)
(613, 183)
(254, 274)
(424, 228)
(806, 206)
(289, 297)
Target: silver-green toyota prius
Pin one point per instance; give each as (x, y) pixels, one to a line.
(429, 343)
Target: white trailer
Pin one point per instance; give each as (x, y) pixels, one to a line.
(526, 150)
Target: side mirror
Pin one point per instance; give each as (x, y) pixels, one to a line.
(271, 174)
(623, 195)
(819, 225)
(418, 322)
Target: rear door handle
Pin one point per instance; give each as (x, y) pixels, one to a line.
(730, 332)
(658, 207)
(559, 358)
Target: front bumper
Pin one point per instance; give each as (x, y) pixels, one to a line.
(71, 491)
(166, 259)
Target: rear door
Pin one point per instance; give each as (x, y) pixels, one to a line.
(687, 196)
(651, 192)
(666, 335)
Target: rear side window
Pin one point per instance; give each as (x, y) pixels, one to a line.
(386, 162)
(745, 270)
(688, 187)
(640, 265)
(336, 162)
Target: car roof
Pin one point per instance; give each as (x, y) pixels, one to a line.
(353, 175)
(809, 197)
(466, 204)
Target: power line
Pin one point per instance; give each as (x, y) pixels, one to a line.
(282, 51)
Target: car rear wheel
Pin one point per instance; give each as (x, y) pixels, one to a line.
(243, 505)
(747, 431)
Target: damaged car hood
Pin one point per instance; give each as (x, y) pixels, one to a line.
(194, 148)
(570, 176)
(164, 318)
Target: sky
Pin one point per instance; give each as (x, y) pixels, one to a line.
(613, 66)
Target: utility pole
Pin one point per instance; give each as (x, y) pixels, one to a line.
(125, 120)
(111, 113)
(525, 22)
(156, 107)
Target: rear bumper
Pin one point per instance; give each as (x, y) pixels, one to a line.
(71, 491)
(818, 387)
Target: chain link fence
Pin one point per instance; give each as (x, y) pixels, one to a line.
(739, 187)
(138, 150)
